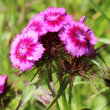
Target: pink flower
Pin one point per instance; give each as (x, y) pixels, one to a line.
(79, 40)
(36, 24)
(55, 18)
(2, 83)
(25, 50)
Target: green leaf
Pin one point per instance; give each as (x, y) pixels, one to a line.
(94, 61)
(60, 91)
(104, 40)
(103, 60)
(101, 48)
(28, 92)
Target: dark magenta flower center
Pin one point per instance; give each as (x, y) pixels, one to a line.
(24, 48)
(78, 36)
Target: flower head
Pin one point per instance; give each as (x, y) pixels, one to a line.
(25, 50)
(54, 18)
(2, 83)
(36, 24)
(79, 39)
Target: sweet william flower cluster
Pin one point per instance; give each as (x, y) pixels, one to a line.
(51, 28)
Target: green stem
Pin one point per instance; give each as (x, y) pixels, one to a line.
(60, 91)
(57, 107)
(70, 94)
(77, 98)
(64, 102)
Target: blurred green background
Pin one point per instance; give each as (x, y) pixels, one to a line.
(15, 15)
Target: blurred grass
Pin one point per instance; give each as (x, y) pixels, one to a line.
(15, 15)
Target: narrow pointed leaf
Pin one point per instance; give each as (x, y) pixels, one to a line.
(94, 61)
(26, 97)
(102, 60)
(60, 91)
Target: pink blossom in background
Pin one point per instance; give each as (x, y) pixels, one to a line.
(25, 50)
(79, 40)
(2, 83)
(36, 24)
(54, 18)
